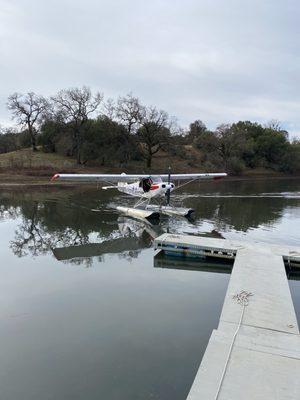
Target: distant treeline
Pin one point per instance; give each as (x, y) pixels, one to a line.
(79, 124)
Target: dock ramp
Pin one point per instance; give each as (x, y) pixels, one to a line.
(255, 351)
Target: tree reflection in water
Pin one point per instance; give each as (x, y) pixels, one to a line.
(66, 223)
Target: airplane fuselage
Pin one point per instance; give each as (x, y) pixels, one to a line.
(155, 189)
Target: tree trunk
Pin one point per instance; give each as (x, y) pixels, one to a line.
(149, 161)
(78, 156)
(33, 143)
(32, 138)
(77, 140)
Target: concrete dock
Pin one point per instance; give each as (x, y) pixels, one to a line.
(255, 351)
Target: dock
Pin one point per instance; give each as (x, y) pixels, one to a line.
(255, 351)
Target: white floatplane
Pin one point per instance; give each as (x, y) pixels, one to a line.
(147, 188)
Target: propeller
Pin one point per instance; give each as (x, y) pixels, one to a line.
(168, 192)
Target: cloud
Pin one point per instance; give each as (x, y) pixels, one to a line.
(217, 61)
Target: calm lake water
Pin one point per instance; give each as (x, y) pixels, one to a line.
(86, 310)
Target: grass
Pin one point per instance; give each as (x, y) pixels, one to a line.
(27, 159)
(19, 167)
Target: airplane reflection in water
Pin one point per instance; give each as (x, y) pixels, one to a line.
(134, 236)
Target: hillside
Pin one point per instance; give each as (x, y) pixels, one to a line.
(38, 163)
(27, 159)
(27, 167)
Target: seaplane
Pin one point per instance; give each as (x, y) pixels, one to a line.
(153, 192)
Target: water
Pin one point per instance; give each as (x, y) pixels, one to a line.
(86, 310)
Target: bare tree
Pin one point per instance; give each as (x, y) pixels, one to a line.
(28, 110)
(130, 112)
(76, 105)
(109, 108)
(274, 124)
(154, 132)
(276, 127)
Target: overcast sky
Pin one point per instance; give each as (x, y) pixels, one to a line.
(214, 60)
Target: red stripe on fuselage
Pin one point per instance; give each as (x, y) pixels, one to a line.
(154, 187)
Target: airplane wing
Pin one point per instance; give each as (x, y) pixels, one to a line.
(188, 177)
(97, 249)
(97, 177)
(133, 177)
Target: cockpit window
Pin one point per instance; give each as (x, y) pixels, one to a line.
(145, 184)
(157, 179)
